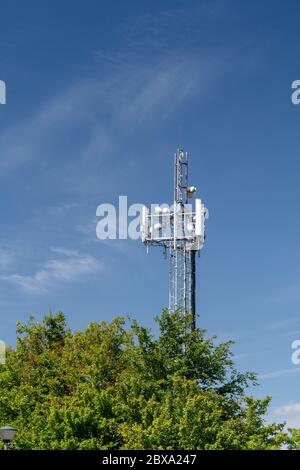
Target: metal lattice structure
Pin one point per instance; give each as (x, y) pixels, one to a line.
(180, 230)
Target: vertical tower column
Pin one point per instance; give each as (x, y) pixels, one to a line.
(180, 231)
(182, 257)
(193, 287)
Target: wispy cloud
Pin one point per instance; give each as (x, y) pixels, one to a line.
(70, 268)
(286, 294)
(82, 122)
(65, 251)
(281, 324)
(6, 258)
(88, 229)
(288, 413)
(279, 373)
(290, 408)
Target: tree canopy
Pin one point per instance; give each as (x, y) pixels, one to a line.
(117, 386)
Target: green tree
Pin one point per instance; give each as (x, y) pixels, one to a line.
(116, 386)
(294, 441)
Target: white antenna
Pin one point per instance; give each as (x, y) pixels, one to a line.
(180, 230)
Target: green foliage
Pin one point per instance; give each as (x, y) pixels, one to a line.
(294, 441)
(117, 387)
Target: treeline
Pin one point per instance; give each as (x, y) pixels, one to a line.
(117, 386)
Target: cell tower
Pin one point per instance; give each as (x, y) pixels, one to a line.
(180, 230)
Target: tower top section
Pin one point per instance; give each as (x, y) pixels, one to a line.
(182, 221)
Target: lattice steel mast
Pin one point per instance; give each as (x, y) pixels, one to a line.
(180, 231)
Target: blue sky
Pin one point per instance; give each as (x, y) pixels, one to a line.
(99, 95)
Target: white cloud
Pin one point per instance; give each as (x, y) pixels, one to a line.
(64, 251)
(288, 413)
(68, 269)
(279, 373)
(288, 409)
